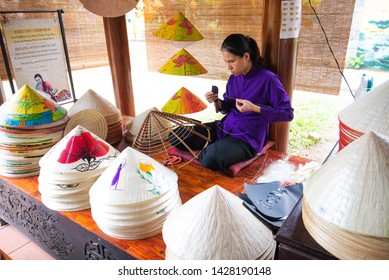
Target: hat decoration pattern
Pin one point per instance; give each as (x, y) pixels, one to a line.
(28, 108)
(84, 146)
(145, 172)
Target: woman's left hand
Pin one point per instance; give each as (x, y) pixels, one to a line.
(244, 105)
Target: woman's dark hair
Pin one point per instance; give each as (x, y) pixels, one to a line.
(239, 44)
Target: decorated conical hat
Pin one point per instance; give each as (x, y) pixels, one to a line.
(369, 112)
(215, 225)
(178, 28)
(91, 100)
(351, 190)
(184, 102)
(79, 154)
(183, 64)
(133, 178)
(28, 108)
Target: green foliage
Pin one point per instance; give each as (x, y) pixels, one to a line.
(311, 116)
(355, 61)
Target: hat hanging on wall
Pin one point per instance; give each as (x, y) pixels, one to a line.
(183, 64)
(133, 197)
(178, 28)
(349, 195)
(184, 102)
(214, 225)
(109, 8)
(375, 107)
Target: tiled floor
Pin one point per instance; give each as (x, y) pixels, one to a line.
(17, 246)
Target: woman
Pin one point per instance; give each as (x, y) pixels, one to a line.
(254, 98)
(45, 86)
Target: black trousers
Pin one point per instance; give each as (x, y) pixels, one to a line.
(218, 155)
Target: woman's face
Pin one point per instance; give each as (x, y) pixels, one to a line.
(38, 79)
(235, 64)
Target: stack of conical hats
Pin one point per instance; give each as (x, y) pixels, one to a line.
(93, 101)
(345, 202)
(369, 112)
(214, 225)
(134, 195)
(70, 168)
(30, 124)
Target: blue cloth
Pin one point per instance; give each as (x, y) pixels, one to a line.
(264, 88)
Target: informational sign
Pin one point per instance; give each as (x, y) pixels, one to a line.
(290, 19)
(37, 56)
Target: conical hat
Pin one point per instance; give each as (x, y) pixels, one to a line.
(184, 102)
(178, 28)
(369, 112)
(351, 190)
(215, 225)
(133, 178)
(342, 243)
(92, 100)
(79, 153)
(90, 119)
(109, 8)
(183, 64)
(28, 108)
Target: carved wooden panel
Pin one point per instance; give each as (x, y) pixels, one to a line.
(51, 231)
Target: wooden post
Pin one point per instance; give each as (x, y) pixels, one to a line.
(281, 56)
(119, 60)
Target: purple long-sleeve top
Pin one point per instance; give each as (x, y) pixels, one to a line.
(262, 87)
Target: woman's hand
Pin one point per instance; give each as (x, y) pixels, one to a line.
(244, 105)
(211, 97)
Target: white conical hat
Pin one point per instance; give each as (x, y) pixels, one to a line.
(215, 225)
(79, 154)
(90, 119)
(94, 101)
(351, 190)
(341, 243)
(369, 112)
(133, 178)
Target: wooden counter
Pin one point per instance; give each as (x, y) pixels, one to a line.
(295, 242)
(75, 235)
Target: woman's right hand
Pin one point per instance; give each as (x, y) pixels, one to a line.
(211, 96)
